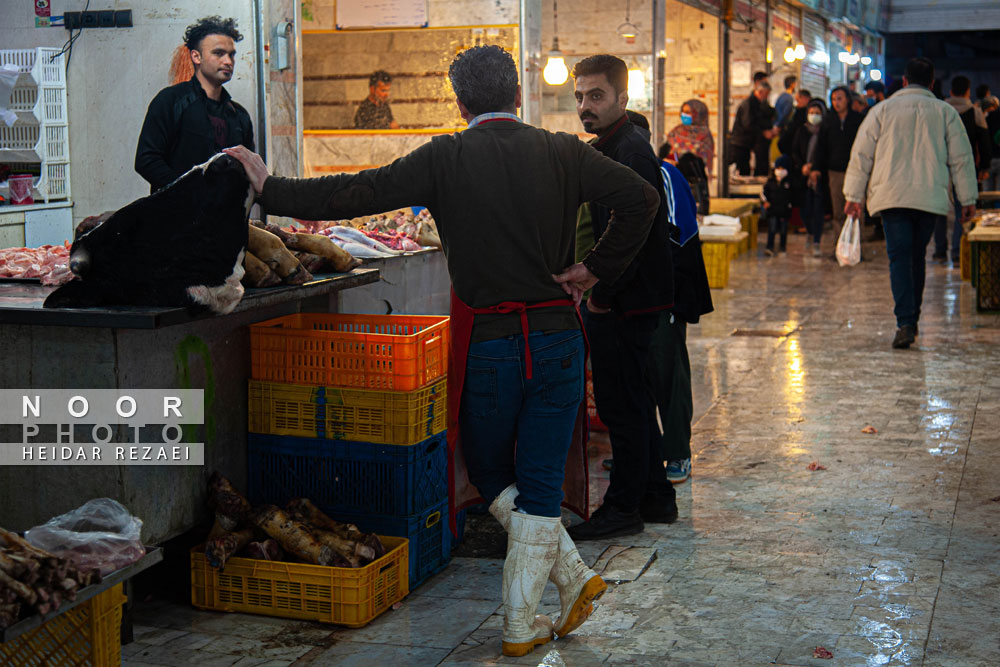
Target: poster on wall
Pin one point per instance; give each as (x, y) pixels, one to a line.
(740, 73)
(382, 14)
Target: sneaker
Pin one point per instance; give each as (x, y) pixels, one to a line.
(658, 510)
(816, 251)
(905, 336)
(607, 521)
(768, 252)
(608, 464)
(678, 471)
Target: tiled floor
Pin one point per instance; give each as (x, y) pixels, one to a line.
(889, 556)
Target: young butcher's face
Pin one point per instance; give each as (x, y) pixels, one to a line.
(215, 58)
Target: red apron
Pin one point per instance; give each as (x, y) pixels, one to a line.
(461, 492)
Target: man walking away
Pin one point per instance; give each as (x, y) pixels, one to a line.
(623, 317)
(785, 103)
(752, 126)
(907, 151)
(833, 151)
(974, 121)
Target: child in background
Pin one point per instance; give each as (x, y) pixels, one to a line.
(777, 201)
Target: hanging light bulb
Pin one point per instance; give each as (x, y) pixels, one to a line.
(865, 60)
(628, 30)
(769, 54)
(555, 72)
(636, 82)
(789, 55)
(844, 56)
(875, 74)
(800, 51)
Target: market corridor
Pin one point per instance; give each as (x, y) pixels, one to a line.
(887, 555)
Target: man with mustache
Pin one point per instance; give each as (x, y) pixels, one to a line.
(190, 122)
(622, 318)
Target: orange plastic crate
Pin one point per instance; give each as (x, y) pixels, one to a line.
(340, 595)
(388, 352)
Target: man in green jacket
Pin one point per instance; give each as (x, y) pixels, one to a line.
(505, 196)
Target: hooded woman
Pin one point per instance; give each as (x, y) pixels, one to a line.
(693, 135)
(812, 189)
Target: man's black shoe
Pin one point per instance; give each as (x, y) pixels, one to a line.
(905, 336)
(607, 521)
(654, 510)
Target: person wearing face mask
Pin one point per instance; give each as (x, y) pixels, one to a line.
(811, 185)
(833, 151)
(777, 201)
(692, 134)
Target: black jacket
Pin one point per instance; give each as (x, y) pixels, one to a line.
(835, 140)
(979, 139)
(787, 140)
(779, 195)
(752, 118)
(177, 133)
(648, 282)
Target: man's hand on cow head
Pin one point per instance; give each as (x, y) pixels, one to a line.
(254, 165)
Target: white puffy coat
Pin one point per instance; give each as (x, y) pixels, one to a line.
(908, 150)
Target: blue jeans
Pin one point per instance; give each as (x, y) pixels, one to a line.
(777, 226)
(907, 233)
(516, 430)
(812, 213)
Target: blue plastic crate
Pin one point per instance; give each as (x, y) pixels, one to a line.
(428, 533)
(341, 476)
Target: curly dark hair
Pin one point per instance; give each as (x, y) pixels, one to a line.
(210, 25)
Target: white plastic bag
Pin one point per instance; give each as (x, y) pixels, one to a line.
(99, 534)
(849, 243)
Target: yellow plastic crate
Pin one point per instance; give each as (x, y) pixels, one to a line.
(360, 415)
(752, 226)
(89, 634)
(338, 595)
(965, 258)
(717, 256)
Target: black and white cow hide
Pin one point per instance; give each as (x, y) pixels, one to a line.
(181, 246)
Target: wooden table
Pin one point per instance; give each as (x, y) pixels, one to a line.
(744, 209)
(718, 251)
(985, 247)
(989, 196)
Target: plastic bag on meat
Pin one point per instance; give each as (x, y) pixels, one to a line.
(100, 534)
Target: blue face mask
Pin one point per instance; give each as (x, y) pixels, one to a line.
(687, 119)
(871, 101)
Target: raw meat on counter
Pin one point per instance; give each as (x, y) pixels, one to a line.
(50, 263)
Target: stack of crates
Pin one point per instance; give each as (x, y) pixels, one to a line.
(38, 141)
(350, 411)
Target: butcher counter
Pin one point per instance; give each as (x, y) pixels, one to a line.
(141, 348)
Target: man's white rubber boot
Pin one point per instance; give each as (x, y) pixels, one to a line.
(578, 585)
(532, 545)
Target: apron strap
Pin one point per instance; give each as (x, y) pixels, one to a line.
(522, 308)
